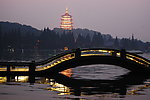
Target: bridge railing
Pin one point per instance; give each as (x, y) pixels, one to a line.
(55, 62)
(74, 54)
(46, 64)
(23, 66)
(116, 53)
(14, 66)
(3, 68)
(19, 68)
(100, 52)
(138, 59)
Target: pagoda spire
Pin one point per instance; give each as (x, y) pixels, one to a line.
(67, 10)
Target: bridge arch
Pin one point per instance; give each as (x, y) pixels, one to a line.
(81, 57)
(78, 57)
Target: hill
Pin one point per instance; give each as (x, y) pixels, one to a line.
(18, 36)
(7, 27)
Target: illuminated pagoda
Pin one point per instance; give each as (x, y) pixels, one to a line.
(66, 21)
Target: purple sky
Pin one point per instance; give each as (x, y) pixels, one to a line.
(116, 17)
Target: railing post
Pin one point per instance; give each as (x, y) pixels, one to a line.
(77, 53)
(8, 73)
(123, 53)
(114, 54)
(32, 73)
(8, 68)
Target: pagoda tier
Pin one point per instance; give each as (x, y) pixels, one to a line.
(66, 21)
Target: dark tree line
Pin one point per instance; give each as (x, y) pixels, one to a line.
(50, 40)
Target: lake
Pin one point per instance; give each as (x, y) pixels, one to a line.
(92, 82)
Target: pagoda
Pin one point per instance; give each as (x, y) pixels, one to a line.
(66, 21)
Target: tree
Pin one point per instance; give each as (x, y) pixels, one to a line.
(116, 43)
(97, 40)
(80, 42)
(87, 41)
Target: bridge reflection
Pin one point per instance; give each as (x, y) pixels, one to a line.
(123, 85)
(89, 87)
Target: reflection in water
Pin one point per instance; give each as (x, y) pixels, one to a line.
(3, 79)
(54, 86)
(93, 87)
(63, 90)
(15, 79)
(67, 72)
(124, 85)
(98, 71)
(107, 82)
(21, 78)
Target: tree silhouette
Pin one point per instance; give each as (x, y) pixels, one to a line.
(97, 40)
(116, 43)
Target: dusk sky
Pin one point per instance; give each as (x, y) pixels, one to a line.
(120, 18)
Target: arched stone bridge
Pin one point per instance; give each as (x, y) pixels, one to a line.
(78, 57)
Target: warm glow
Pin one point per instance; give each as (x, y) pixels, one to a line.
(18, 68)
(60, 88)
(3, 68)
(55, 62)
(21, 78)
(66, 48)
(138, 60)
(3, 79)
(66, 21)
(96, 53)
(67, 72)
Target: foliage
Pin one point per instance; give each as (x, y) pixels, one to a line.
(23, 38)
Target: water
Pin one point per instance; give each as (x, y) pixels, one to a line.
(92, 82)
(95, 72)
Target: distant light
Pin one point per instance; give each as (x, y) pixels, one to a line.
(66, 48)
(66, 21)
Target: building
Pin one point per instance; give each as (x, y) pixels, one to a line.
(66, 21)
